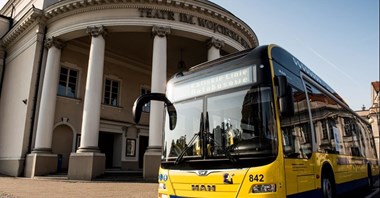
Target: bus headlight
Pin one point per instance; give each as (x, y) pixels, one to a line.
(163, 195)
(262, 188)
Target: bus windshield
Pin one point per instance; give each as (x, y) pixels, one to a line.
(238, 123)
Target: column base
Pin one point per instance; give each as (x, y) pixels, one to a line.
(38, 164)
(12, 167)
(88, 149)
(86, 166)
(152, 162)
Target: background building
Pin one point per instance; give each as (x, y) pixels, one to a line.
(372, 114)
(71, 70)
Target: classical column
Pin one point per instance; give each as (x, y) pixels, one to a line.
(2, 57)
(158, 85)
(45, 121)
(88, 162)
(93, 95)
(153, 152)
(41, 161)
(214, 45)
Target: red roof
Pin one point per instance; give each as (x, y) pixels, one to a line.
(376, 86)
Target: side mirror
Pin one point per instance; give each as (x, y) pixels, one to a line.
(143, 99)
(285, 96)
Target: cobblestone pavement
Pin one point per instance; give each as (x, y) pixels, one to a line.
(51, 187)
(11, 187)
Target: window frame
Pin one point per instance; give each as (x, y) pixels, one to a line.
(144, 90)
(70, 67)
(303, 133)
(345, 146)
(118, 98)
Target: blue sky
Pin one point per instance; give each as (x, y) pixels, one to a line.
(337, 39)
(2, 3)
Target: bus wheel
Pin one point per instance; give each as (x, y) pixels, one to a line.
(328, 186)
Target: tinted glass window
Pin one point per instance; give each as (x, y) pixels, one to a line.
(296, 129)
(67, 85)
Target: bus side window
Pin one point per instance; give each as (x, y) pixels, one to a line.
(332, 123)
(350, 131)
(296, 129)
(364, 140)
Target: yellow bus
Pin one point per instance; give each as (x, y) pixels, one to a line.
(259, 123)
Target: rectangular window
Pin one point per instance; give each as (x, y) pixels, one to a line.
(146, 107)
(324, 130)
(111, 92)
(68, 81)
(326, 110)
(348, 126)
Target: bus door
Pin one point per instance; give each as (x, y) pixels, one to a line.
(297, 146)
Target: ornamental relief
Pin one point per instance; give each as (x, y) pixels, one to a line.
(52, 41)
(96, 31)
(160, 31)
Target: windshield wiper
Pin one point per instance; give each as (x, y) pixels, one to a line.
(183, 152)
(180, 156)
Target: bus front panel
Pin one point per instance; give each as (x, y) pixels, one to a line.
(263, 181)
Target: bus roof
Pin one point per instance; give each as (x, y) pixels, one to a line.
(272, 51)
(294, 65)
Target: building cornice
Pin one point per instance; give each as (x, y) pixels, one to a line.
(204, 8)
(32, 17)
(72, 7)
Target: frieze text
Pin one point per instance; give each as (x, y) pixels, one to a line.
(193, 20)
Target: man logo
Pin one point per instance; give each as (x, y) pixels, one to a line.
(202, 187)
(202, 173)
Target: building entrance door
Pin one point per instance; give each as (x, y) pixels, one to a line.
(106, 141)
(143, 144)
(111, 144)
(62, 145)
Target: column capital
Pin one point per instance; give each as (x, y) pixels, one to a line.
(53, 41)
(213, 42)
(96, 31)
(160, 31)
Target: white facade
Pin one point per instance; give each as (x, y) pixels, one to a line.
(73, 68)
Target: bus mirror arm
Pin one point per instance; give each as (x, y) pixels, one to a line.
(285, 96)
(143, 99)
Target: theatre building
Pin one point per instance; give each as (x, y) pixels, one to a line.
(70, 71)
